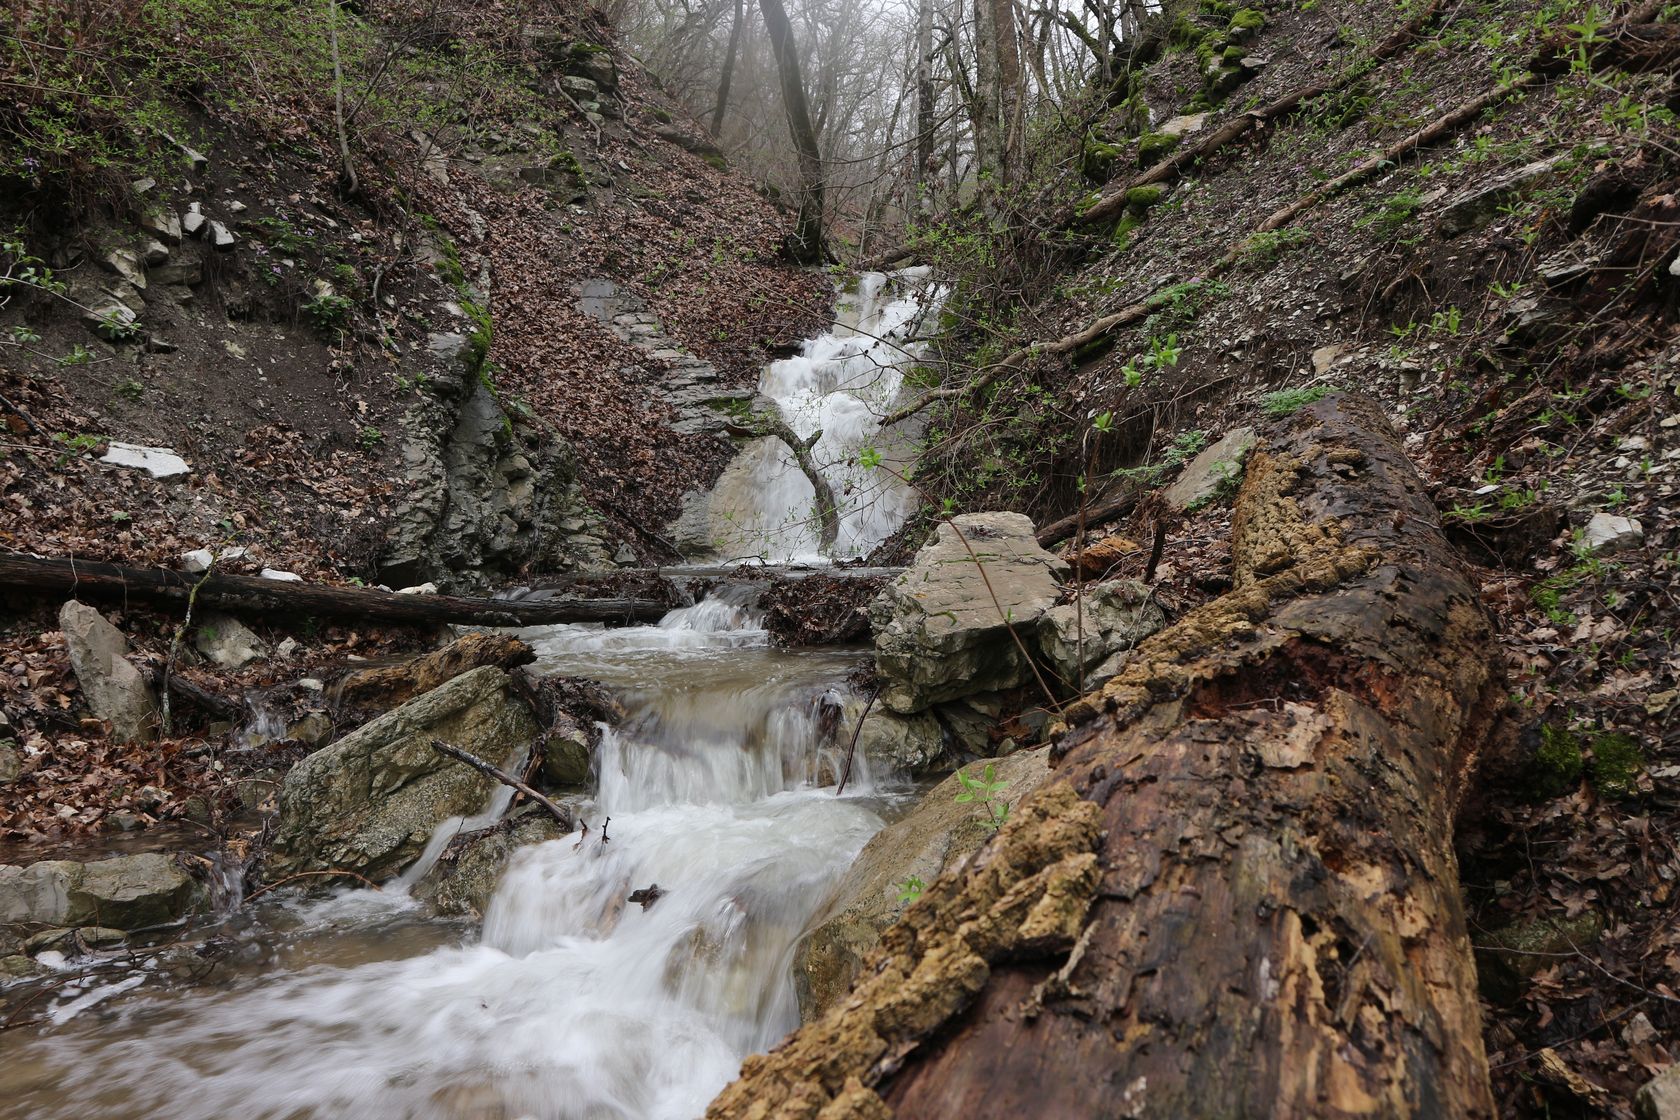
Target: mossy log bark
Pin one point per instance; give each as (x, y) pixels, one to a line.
(1237, 896)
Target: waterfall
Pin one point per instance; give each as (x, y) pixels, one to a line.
(841, 384)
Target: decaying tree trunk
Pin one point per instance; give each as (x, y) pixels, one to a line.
(1237, 896)
(252, 594)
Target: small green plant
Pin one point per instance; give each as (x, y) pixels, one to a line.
(1285, 402)
(911, 889)
(371, 437)
(1395, 214)
(130, 388)
(984, 791)
(328, 312)
(79, 355)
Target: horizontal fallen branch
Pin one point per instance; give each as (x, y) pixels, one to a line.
(252, 594)
(556, 811)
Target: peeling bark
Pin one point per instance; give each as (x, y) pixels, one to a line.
(1237, 896)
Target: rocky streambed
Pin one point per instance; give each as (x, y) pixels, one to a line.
(712, 886)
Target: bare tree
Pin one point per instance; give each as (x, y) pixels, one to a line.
(807, 242)
(728, 69)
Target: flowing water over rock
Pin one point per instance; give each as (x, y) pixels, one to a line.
(573, 1002)
(841, 384)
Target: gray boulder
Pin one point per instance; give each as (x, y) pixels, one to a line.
(894, 744)
(939, 634)
(114, 689)
(567, 754)
(369, 802)
(464, 879)
(1117, 616)
(933, 837)
(127, 892)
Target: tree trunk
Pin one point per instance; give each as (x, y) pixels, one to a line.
(250, 593)
(728, 71)
(808, 233)
(924, 108)
(1237, 896)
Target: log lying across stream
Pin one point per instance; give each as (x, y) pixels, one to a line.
(253, 594)
(1237, 896)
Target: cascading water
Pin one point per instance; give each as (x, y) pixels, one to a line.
(573, 1002)
(841, 384)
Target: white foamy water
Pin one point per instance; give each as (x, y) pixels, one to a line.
(841, 383)
(573, 1002)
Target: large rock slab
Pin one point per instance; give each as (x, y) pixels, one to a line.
(126, 892)
(114, 689)
(939, 633)
(369, 802)
(1216, 470)
(936, 834)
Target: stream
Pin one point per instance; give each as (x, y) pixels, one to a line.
(569, 1001)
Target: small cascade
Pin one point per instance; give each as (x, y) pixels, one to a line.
(841, 384)
(572, 1003)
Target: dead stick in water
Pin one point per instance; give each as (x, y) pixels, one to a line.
(846, 771)
(505, 778)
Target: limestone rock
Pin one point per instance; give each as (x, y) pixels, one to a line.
(193, 222)
(937, 833)
(127, 264)
(1117, 616)
(159, 462)
(1607, 532)
(228, 642)
(1480, 205)
(114, 689)
(1659, 1099)
(123, 893)
(1183, 125)
(1215, 469)
(369, 802)
(939, 635)
(465, 878)
(11, 762)
(163, 222)
(221, 237)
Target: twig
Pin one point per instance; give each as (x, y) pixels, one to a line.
(175, 646)
(846, 771)
(28, 420)
(507, 779)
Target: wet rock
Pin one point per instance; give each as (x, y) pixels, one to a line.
(1607, 532)
(19, 967)
(567, 754)
(1213, 472)
(1659, 1098)
(222, 238)
(390, 685)
(113, 688)
(895, 744)
(939, 634)
(369, 802)
(465, 878)
(1117, 615)
(193, 222)
(934, 836)
(228, 642)
(122, 893)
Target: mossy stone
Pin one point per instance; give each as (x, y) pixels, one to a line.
(1556, 766)
(1616, 763)
(1140, 199)
(1245, 23)
(1098, 159)
(1154, 147)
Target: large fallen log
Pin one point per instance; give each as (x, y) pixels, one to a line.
(1237, 896)
(253, 594)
